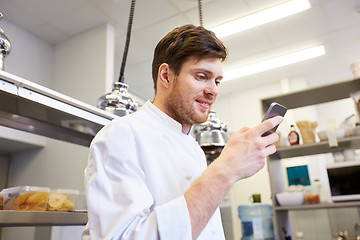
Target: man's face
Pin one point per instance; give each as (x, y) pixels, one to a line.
(194, 90)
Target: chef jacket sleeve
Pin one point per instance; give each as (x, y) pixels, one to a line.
(120, 204)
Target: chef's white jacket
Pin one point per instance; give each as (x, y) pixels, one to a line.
(138, 170)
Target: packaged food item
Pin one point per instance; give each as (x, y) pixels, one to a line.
(293, 136)
(62, 200)
(25, 198)
(307, 130)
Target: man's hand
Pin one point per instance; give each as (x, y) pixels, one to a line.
(245, 153)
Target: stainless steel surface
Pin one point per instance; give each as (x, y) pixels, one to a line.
(13, 140)
(33, 108)
(315, 148)
(118, 102)
(5, 46)
(26, 89)
(312, 96)
(212, 132)
(11, 218)
(211, 136)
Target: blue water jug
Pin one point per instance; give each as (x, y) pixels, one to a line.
(256, 221)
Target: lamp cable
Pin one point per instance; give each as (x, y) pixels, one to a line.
(127, 42)
(200, 13)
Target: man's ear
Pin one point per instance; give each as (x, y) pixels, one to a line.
(165, 75)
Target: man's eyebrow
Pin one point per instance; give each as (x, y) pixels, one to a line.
(202, 70)
(207, 72)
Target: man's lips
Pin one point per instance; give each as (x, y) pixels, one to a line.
(204, 103)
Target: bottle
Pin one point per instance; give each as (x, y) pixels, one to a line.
(317, 185)
(286, 236)
(293, 136)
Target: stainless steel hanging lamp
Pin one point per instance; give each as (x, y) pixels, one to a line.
(118, 100)
(211, 136)
(5, 46)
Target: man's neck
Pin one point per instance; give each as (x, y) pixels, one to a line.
(185, 127)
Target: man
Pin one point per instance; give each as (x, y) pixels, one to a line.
(146, 177)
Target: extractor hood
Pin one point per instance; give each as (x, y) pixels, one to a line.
(30, 107)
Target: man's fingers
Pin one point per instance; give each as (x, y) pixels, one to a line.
(270, 150)
(269, 124)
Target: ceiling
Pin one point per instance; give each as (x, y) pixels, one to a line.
(333, 23)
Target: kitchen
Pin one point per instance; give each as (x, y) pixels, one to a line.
(51, 49)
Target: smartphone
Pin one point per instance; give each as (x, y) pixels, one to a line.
(275, 109)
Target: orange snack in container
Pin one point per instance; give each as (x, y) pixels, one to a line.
(26, 198)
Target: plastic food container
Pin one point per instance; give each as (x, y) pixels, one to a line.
(312, 195)
(81, 203)
(63, 200)
(25, 198)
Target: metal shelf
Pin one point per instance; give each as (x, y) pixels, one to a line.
(318, 206)
(312, 96)
(11, 218)
(315, 148)
(30, 107)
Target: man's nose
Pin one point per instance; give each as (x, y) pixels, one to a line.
(212, 89)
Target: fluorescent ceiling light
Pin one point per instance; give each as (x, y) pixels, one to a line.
(262, 17)
(275, 62)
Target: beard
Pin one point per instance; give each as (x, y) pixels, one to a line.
(180, 106)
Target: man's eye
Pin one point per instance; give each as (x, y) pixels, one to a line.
(200, 77)
(217, 83)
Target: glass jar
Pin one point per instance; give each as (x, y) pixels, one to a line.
(312, 194)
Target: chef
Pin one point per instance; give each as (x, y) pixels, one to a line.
(146, 176)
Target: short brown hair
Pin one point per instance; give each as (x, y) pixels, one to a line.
(183, 42)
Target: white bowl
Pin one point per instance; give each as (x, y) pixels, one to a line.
(290, 198)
